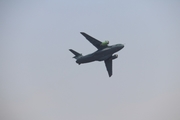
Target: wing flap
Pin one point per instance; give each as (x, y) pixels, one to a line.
(108, 64)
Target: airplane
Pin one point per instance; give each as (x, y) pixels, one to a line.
(104, 53)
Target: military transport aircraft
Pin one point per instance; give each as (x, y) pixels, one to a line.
(104, 53)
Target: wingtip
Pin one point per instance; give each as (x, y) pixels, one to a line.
(82, 33)
(110, 74)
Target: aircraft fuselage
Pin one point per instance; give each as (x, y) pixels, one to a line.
(100, 55)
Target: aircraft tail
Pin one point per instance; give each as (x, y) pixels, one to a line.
(75, 53)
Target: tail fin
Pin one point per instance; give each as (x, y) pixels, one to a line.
(75, 53)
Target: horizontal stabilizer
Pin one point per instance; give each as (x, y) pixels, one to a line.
(75, 53)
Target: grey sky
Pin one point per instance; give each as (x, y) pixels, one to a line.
(39, 80)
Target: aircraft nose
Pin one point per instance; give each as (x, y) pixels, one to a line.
(122, 45)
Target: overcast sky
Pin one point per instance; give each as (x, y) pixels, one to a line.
(39, 79)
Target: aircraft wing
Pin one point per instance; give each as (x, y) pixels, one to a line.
(94, 41)
(108, 64)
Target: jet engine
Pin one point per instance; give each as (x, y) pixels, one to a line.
(105, 43)
(114, 57)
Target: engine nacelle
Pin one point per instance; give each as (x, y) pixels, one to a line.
(105, 43)
(114, 57)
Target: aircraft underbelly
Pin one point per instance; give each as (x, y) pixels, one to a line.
(103, 55)
(97, 56)
(86, 59)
